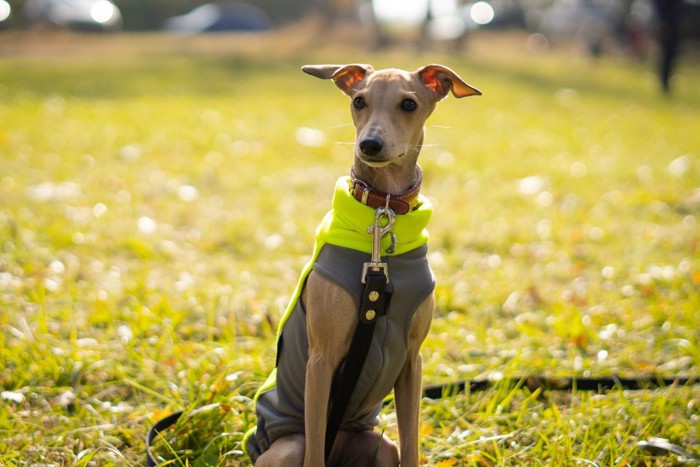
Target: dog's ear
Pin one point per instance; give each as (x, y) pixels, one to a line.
(441, 80)
(344, 76)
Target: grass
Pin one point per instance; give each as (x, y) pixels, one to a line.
(158, 205)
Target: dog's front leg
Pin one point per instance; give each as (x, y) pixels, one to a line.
(319, 373)
(407, 393)
(407, 389)
(330, 317)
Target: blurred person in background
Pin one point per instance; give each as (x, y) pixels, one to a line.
(668, 13)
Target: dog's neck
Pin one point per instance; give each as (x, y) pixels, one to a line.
(390, 180)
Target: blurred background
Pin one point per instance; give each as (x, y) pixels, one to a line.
(601, 25)
(631, 28)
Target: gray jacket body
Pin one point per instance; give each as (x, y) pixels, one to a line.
(280, 409)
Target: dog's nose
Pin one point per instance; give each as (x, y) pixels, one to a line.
(371, 146)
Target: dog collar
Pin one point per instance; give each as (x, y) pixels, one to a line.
(402, 203)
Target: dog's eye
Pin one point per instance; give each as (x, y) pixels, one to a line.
(359, 103)
(409, 105)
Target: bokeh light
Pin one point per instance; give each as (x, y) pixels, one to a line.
(482, 13)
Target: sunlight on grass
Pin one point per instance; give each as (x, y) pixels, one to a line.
(155, 215)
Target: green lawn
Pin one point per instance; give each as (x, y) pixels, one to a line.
(156, 207)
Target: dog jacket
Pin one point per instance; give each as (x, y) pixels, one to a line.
(342, 247)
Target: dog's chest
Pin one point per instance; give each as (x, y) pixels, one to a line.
(411, 282)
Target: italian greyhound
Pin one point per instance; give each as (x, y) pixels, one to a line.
(389, 108)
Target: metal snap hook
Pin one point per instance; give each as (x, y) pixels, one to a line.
(379, 231)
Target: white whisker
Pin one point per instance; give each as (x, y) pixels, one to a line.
(340, 126)
(343, 142)
(440, 126)
(420, 146)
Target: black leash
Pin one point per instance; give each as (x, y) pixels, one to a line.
(601, 384)
(373, 305)
(375, 277)
(160, 425)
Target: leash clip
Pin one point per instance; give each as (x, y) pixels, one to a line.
(378, 232)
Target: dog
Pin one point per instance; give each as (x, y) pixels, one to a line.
(389, 108)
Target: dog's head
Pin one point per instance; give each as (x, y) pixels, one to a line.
(389, 107)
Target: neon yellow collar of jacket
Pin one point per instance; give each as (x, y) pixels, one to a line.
(346, 225)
